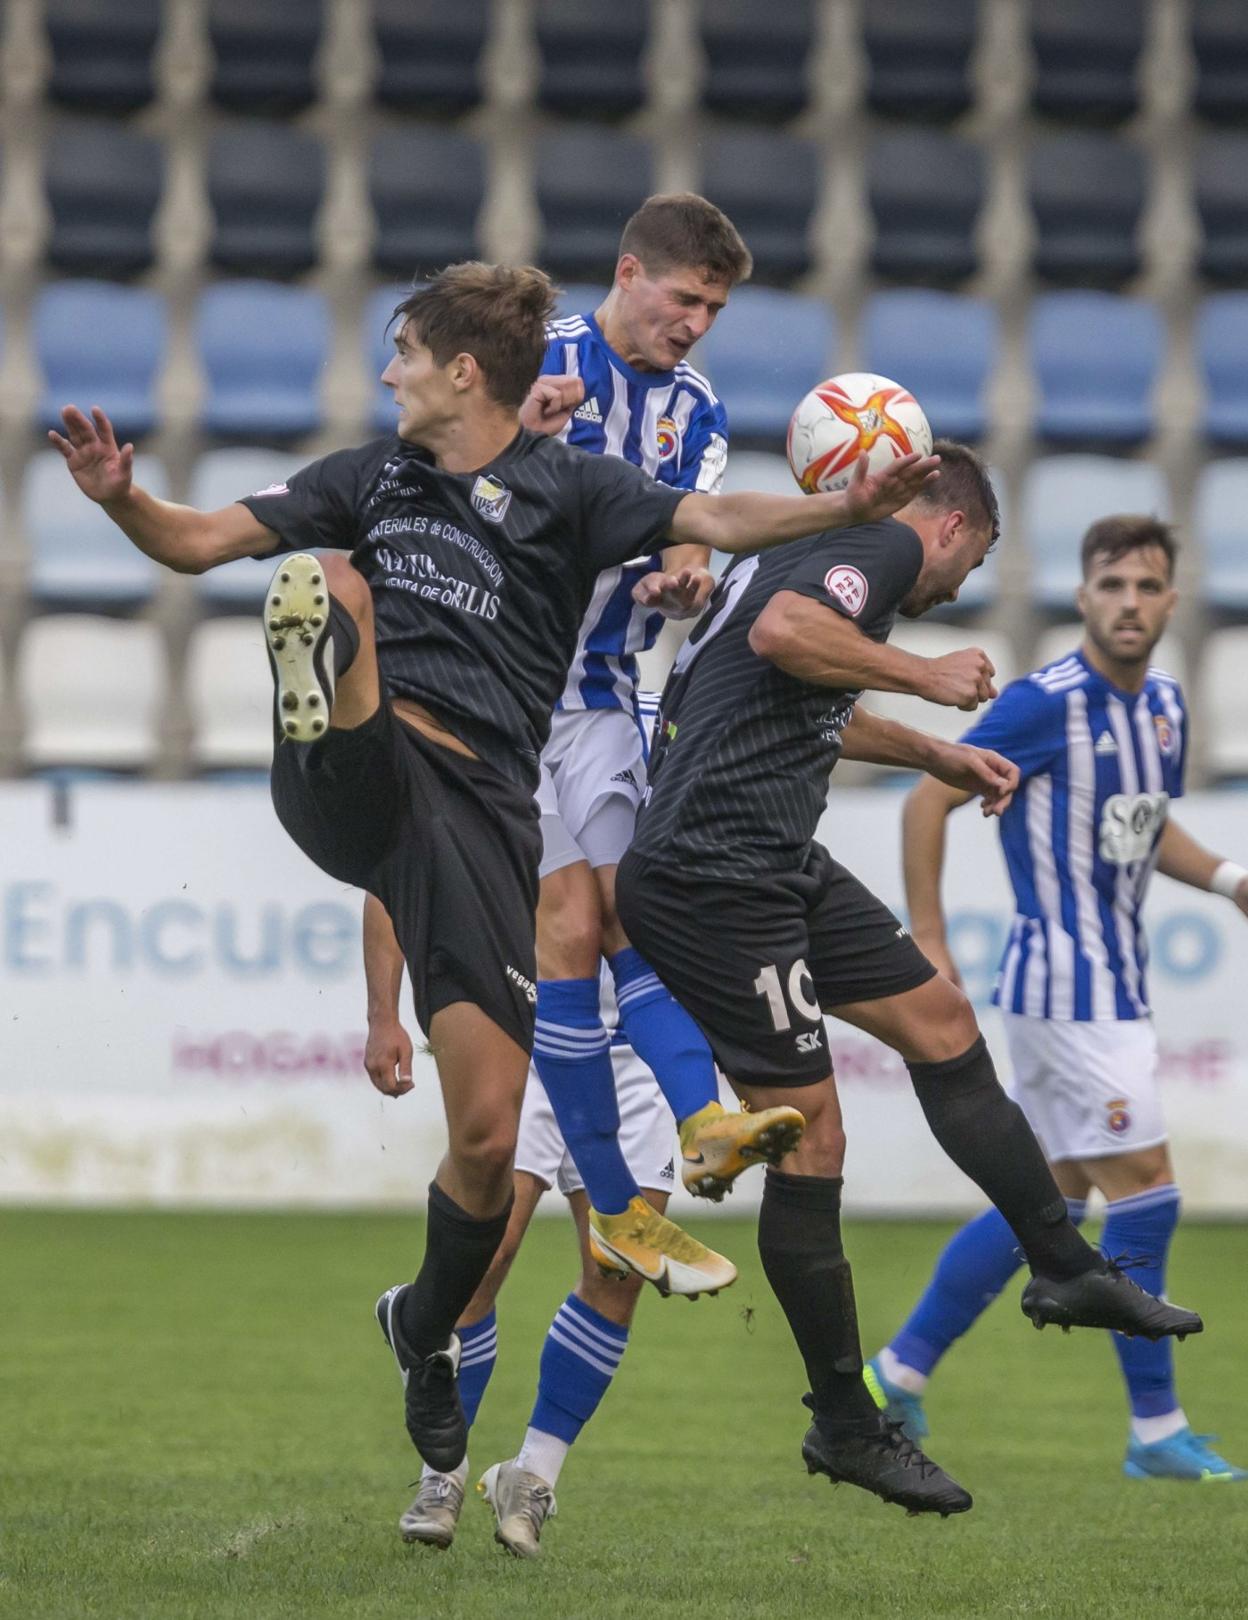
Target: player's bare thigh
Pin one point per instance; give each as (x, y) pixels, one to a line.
(1122, 1175)
(821, 1151)
(929, 1024)
(569, 924)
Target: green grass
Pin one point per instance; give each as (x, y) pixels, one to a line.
(198, 1419)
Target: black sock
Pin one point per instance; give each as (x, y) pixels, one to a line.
(799, 1240)
(458, 1251)
(346, 637)
(987, 1136)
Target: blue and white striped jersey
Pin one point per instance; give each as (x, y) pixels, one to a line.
(1098, 770)
(669, 424)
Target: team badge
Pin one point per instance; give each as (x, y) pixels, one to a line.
(1166, 739)
(491, 499)
(1116, 1115)
(849, 586)
(668, 437)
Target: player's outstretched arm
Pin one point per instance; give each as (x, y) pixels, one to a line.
(1180, 857)
(388, 1050)
(180, 537)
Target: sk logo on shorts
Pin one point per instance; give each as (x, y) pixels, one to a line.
(490, 498)
(809, 1041)
(1117, 1117)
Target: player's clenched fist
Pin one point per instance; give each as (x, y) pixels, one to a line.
(388, 1056)
(960, 680)
(550, 403)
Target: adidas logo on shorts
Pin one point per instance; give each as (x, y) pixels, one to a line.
(625, 776)
(668, 1172)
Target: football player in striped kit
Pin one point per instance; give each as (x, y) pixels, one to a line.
(1100, 739)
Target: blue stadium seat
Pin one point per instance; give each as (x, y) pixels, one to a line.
(1222, 204)
(97, 344)
(925, 190)
(1086, 191)
(766, 350)
(262, 347)
(1062, 496)
(1220, 526)
(1095, 357)
(941, 346)
(757, 56)
(79, 558)
(429, 54)
(426, 185)
(221, 477)
(1220, 43)
(768, 185)
(263, 54)
(378, 347)
(103, 183)
(591, 57)
(102, 53)
(918, 57)
(266, 183)
(1087, 58)
(1222, 343)
(589, 180)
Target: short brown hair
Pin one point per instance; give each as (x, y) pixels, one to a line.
(962, 484)
(497, 313)
(1114, 537)
(681, 231)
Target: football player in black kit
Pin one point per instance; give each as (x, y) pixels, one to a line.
(758, 931)
(416, 666)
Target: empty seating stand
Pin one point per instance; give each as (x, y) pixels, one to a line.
(1222, 205)
(1062, 495)
(1220, 526)
(1222, 346)
(1220, 45)
(1087, 58)
(90, 690)
(942, 345)
(1086, 192)
(103, 184)
(263, 347)
(220, 478)
(768, 184)
(98, 344)
(591, 57)
(426, 185)
(589, 180)
(264, 53)
(429, 54)
(919, 56)
(79, 558)
(1095, 358)
(925, 190)
(757, 56)
(266, 184)
(102, 53)
(1221, 707)
(766, 350)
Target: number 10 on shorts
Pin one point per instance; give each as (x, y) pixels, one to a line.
(769, 984)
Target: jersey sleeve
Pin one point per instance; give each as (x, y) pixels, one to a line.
(704, 456)
(863, 573)
(1175, 706)
(624, 513)
(1026, 724)
(318, 508)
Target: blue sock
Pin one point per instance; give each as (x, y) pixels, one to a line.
(478, 1351)
(579, 1359)
(663, 1035)
(1139, 1229)
(975, 1266)
(572, 1053)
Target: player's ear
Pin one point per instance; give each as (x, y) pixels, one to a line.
(627, 270)
(463, 371)
(953, 528)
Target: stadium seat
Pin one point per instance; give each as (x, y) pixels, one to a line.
(90, 692)
(263, 53)
(918, 57)
(768, 185)
(266, 183)
(1087, 58)
(757, 54)
(78, 557)
(102, 53)
(103, 183)
(97, 344)
(1060, 639)
(925, 189)
(935, 641)
(1222, 204)
(1222, 345)
(944, 346)
(1220, 702)
(1220, 527)
(378, 347)
(591, 57)
(1086, 191)
(764, 352)
(221, 477)
(426, 185)
(263, 347)
(1095, 358)
(1062, 496)
(428, 54)
(1220, 44)
(589, 180)
(229, 693)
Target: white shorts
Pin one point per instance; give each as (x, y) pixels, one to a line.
(1088, 1090)
(647, 1130)
(593, 776)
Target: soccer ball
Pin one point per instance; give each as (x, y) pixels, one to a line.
(847, 415)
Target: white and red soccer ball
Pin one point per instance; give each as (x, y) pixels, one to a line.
(846, 416)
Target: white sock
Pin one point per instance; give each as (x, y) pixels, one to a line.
(1148, 1431)
(542, 1454)
(459, 1475)
(914, 1383)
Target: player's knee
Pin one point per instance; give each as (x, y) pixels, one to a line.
(947, 1026)
(569, 940)
(821, 1151)
(484, 1150)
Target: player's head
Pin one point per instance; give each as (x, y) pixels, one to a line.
(471, 340)
(1127, 594)
(680, 257)
(957, 519)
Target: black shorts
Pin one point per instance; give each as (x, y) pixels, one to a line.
(447, 844)
(758, 963)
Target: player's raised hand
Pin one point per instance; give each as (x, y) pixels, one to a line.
(676, 596)
(870, 496)
(550, 403)
(101, 470)
(388, 1056)
(960, 680)
(991, 777)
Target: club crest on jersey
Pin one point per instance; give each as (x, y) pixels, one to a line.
(491, 499)
(669, 438)
(1166, 739)
(1116, 1115)
(849, 586)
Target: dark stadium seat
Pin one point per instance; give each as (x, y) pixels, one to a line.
(1220, 528)
(918, 57)
(266, 183)
(263, 347)
(768, 185)
(589, 180)
(103, 184)
(1062, 495)
(1220, 43)
(591, 57)
(97, 344)
(263, 53)
(1095, 359)
(925, 189)
(102, 53)
(1222, 345)
(1222, 203)
(426, 184)
(429, 54)
(1086, 191)
(943, 347)
(1087, 58)
(766, 350)
(757, 56)
(78, 557)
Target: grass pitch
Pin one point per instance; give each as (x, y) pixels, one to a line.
(198, 1419)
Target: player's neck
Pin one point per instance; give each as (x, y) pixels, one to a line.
(615, 335)
(467, 443)
(1126, 677)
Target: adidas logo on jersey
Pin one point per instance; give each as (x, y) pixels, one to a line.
(588, 412)
(1105, 744)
